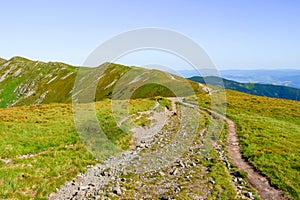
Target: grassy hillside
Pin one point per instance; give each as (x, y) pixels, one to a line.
(267, 90)
(46, 150)
(269, 134)
(2, 60)
(26, 82)
(269, 131)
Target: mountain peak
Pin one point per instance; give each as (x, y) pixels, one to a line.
(19, 58)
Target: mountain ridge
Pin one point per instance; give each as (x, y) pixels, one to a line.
(268, 90)
(284, 77)
(27, 82)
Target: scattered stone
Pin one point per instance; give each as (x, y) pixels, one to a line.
(117, 190)
(176, 189)
(92, 184)
(138, 148)
(104, 173)
(180, 163)
(249, 194)
(207, 158)
(123, 179)
(97, 197)
(161, 173)
(83, 187)
(6, 161)
(174, 172)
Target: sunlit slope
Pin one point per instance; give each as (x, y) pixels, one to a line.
(269, 134)
(26, 82)
(40, 147)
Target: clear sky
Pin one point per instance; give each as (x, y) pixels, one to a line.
(241, 34)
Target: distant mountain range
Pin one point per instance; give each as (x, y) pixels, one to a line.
(267, 90)
(288, 77)
(27, 82)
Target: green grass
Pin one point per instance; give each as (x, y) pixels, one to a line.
(152, 90)
(268, 131)
(8, 95)
(165, 103)
(268, 128)
(54, 80)
(269, 135)
(140, 105)
(48, 132)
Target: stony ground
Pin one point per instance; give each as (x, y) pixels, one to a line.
(163, 164)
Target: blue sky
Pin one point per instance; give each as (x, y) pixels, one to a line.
(241, 34)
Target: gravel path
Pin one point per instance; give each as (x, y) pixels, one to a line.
(156, 149)
(90, 184)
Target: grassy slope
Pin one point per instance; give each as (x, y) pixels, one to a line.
(32, 77)
(2, 60)
(39, 129)
(59, 154)
(269, 133)
(49, 132)
(26, 82)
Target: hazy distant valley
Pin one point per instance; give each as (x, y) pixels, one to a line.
(290, 78)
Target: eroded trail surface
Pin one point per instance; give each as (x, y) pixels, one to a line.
(165, 162)
(258, 181)
(158, 165)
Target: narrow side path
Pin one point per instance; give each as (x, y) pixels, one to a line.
(258, 181)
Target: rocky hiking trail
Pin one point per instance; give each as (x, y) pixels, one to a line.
(164, 162)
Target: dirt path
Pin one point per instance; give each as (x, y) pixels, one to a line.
(98, 177)
(258, 181)
(91, 183)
